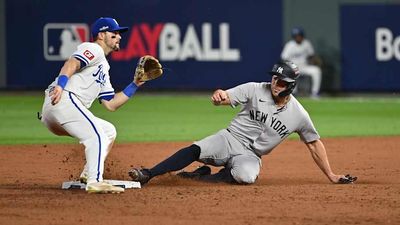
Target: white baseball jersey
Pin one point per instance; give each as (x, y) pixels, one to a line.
(71, 116)
(92, 80)
(297, 53)
(260, 125)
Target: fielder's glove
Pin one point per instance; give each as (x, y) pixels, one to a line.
(148, 68)
(348, 179)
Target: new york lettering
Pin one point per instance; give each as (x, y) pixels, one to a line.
(258, 116)
(276, 124)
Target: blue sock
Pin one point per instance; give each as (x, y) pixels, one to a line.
(177, 161)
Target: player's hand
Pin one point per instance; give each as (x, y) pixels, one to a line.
(138, 81)
(55, 94)
(342, 179)
(218, 97)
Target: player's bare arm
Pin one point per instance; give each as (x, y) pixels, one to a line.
(70, 67)
(148, 68)
(113, 104)
(318, 152)
(220, 97)
(119, 99)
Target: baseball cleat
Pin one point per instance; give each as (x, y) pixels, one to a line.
(83, 180)
(83, 177)
(201, 171)
(140, 175)
(348, 179)
(103, 188)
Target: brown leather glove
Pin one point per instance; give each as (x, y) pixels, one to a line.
(148, 68)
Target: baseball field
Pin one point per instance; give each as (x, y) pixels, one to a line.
(361, 134)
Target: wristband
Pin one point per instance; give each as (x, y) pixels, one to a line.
(62, 81)
(130, 89)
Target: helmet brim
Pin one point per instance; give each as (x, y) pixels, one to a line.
(281, 77)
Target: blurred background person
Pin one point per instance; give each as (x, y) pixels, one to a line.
(300, 51)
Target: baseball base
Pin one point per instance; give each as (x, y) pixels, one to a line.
(120, 183)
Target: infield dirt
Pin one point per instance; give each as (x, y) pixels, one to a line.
(290, 189)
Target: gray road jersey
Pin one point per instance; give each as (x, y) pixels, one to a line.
(261, 125)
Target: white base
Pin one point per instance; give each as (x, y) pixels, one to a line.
(120, 183)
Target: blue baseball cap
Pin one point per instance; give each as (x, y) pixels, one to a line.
(104, 24)
(297, 31)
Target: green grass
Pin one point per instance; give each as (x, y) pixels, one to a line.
(165, 117)
(335, 117)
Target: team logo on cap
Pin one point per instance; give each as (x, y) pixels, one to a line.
(60, 40)
(103, 28)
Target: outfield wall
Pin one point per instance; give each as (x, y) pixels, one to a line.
(206, 44)
(3, 63)
(346, 41)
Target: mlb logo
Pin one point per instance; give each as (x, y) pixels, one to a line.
(60, 40)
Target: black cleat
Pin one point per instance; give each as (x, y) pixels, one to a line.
(348, 179)
(201, 171)
(140, 175)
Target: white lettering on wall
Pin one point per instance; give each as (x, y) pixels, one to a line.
(192, 47)
(386, 47)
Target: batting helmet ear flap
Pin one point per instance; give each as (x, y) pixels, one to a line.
(289, 89)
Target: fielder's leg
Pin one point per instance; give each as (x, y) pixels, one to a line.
(96, 144)
(316, 76)
(111, 133)
(79, 122)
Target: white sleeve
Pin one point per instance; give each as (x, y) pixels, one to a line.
(241, 94)
(107, 91)
(286, 51)
(310, 49)
(88, 54)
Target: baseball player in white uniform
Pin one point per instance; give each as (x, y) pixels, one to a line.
(84, 78)
(299, 50)
(268, 115)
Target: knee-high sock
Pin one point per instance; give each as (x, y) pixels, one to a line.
(177, 161)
